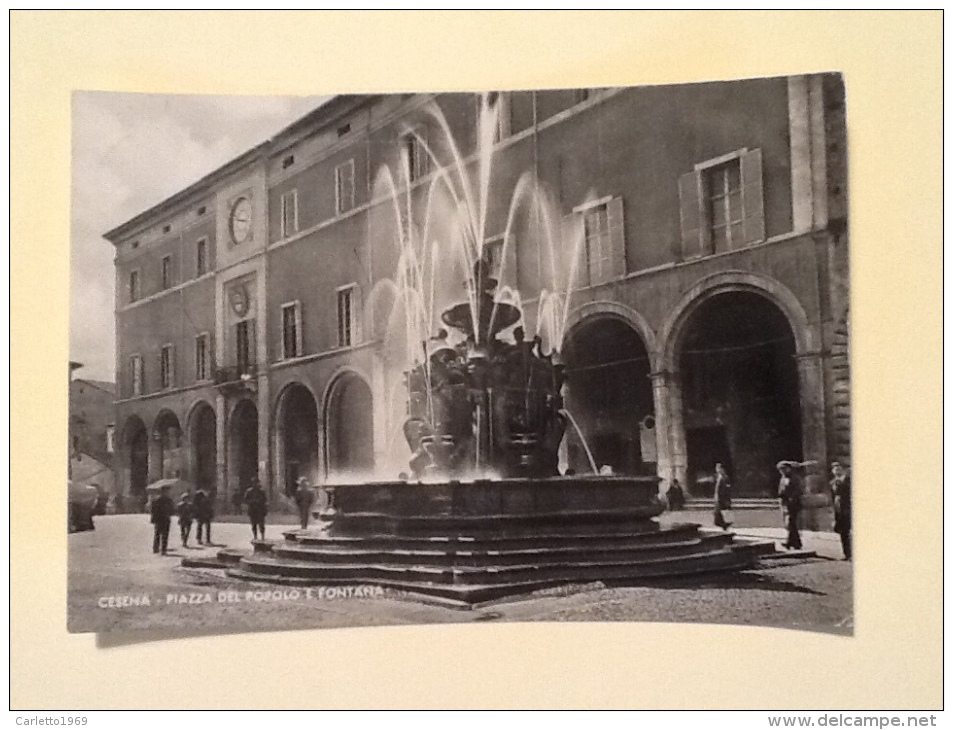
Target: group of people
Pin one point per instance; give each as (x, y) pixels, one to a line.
(190, 508)
(256, 503)
(199, 508)
(791, 494)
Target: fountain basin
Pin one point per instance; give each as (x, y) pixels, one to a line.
(556, 500)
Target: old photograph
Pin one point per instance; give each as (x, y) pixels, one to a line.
(382, 359)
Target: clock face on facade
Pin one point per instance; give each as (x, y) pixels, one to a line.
(239, 222)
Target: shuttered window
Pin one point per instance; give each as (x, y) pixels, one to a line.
(601, 243)
(344, 187)
(722, 205)
(289, 213)
(167, 366)
(291, 340)
(349, 316)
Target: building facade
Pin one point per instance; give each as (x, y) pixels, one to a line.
(684, 248)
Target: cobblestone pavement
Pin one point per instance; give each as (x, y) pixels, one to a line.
(116, 584)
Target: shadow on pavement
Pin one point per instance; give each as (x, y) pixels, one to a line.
(743, 580)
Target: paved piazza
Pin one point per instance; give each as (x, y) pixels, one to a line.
(117, 584)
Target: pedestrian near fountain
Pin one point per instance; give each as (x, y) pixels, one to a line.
(304, 498)
(257, 502)
(675, 496)
(722, 496)
(202, 509)
(161, 512)
(840, 490)
(791, 492)
(186, 513)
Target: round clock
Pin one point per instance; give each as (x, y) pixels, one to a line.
(239, 222)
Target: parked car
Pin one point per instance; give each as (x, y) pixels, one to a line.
(82, 501)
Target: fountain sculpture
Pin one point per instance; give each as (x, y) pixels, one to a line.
(484, 510)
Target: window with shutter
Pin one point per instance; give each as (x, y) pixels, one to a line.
(135, 366)
(602, 250)
(344, 186)
(722, 205)
(202, 369)
(166, 367)
(291, 339)
(289, 213)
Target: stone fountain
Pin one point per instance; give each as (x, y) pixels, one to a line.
(485, 512)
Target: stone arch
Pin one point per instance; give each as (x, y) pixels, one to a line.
(609, 358)
(797, 380)
(348, 443)
(167, 445)
(727, 281)
(296, 436)
(241, 446)
(134, 441)
(201, 427)
(633, 318)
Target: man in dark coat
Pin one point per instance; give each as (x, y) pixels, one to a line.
(791, 490)
(304, 498)
(161, 513)
(722, 496)
(840, 491)
(257, 502)
(202, 509)
(185, 512)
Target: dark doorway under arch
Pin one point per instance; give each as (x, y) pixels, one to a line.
(203, 448)
(168, 434)
(740, 394)
(136, 439)
(350, 426)
(609, 395)
(296, 432)
(242, 450)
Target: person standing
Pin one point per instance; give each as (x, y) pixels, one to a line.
(722, 496)
(791, 492)
(202, 509)
(257, 503)
(840, 490)
(304, 498)
(184, 510)
(161, 512)
(675, 496)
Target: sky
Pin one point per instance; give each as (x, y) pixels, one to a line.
(130, 152)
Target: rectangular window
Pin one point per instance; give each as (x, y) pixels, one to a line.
(598, 249)
(722, 204)
(345, 317)
(344, 187)
(166, 272)
(244, 345)
(289, 213)
(136, 370)
(202, 364)
(413, 149)
(291, 345)
(134, 292)
(166, 367)
(725, 215)
(601, 242)
(201, 257)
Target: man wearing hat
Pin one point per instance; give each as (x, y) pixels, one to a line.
(161, 517)
(840, 490)
(791, 490)
(304, 498)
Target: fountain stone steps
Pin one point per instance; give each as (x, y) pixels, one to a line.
(498, 540)
(569, 569)
(490, 556)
